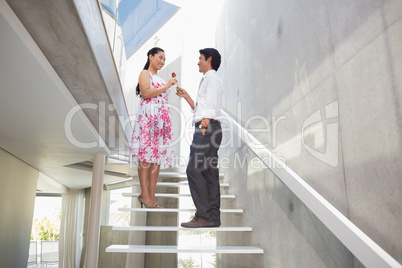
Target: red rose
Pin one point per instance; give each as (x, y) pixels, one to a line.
(173, 75)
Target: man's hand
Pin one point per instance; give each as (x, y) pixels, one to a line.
(181, 92)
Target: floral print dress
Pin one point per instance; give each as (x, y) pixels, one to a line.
(152, 133)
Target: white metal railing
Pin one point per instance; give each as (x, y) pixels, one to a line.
(49, 251)
(33, 252)
(358, 243)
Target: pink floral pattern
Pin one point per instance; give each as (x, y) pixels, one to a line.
(152, 133)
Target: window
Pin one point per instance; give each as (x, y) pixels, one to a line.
(117, 200)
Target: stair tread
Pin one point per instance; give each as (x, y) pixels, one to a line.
(178, 228)
(182, 249)
(234, 210)
(223, 196)
(171, 184)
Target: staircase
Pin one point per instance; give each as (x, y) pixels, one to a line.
(175, 248)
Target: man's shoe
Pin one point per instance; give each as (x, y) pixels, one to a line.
(190, 223)
(217, 224)
(198, 222)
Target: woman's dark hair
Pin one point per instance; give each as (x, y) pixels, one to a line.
(216, 57)
(152, 52)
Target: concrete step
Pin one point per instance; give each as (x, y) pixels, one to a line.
(239, 210)
(171, 184)
(182, 229)
(187, 249)
(223, 196)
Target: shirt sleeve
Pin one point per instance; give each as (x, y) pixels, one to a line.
(214, 90)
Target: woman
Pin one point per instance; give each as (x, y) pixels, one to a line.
(150, 144)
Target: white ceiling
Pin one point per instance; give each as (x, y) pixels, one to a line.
(34, 105)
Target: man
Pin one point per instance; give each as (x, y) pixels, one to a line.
(202, 168)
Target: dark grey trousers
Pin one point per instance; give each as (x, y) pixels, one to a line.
(203, 172)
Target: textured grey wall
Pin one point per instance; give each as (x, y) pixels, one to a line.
(285, 62)
(109, 237)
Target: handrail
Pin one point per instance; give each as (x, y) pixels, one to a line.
(362, 246)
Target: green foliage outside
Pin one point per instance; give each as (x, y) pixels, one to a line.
(190, 263)
(123, 217)
(46, 229)
(208, 235)
(187, 263)
(214, 263)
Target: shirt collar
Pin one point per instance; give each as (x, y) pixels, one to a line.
(209, 72)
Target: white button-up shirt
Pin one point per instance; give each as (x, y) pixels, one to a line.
(209, 97)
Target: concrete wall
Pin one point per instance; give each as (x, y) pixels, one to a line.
(85, 65)
(153, 260)
(17, 199)
(109, 237)
(321, 80)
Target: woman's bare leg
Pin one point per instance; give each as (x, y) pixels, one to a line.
(144, 170)
(153, 179)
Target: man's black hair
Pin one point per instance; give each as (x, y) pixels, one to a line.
(216, 57)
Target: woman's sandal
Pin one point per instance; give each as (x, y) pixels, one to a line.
(143, 203)
(154, 205)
